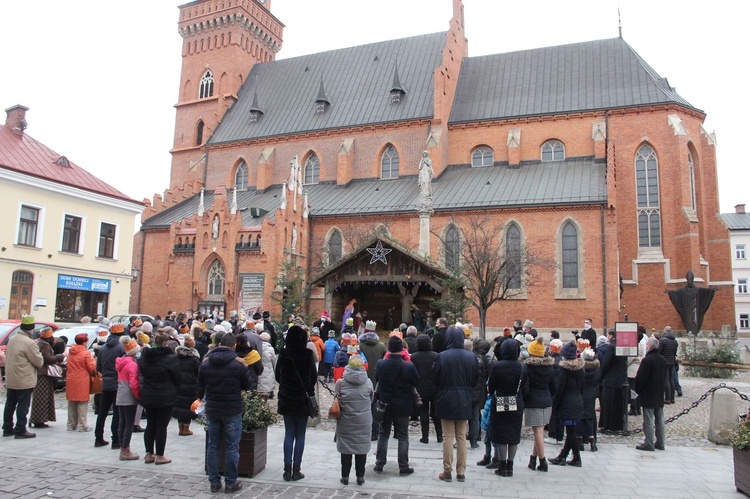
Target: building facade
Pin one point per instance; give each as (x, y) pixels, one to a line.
(580, 154)
(739, 235)
(67, 243)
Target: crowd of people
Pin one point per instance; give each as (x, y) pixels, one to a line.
(462, 389)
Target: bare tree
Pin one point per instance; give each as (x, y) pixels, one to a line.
(495, 264)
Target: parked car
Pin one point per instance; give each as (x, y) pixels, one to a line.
(9, 327)
(69, 333)
(124, 319)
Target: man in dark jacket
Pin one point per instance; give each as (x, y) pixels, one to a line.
(455, 372)
(396, 380)
(222, 378)
(648, 386)
(668, 349)
(615, 391)
(105, 364)
(438, 339)
(589, 333)
(423, 359)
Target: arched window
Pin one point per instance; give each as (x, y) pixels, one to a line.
(452, 248)
(240, 177)
(570, 256)
(389, 163)
(647, 193)
(513, 257)
(482, 156)
(312, 169)
(216, 279)
(553, 150)
(691, 166)
(335, 249)
(207, 85)
(199, 133)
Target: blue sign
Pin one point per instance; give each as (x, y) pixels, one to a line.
(65, 281)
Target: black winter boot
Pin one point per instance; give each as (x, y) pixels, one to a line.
(559, 460)
(576, 461)
(508, 468)
(594, 448)
(287, 472)
(485, 461)
(494, 464)
(532, 462)
(296, 473)
(501, 469)
(542, 465)
(580, 444)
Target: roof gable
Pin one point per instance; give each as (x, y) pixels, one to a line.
(602, 74)
(357, 82)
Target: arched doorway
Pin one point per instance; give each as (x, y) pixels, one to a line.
(21, 288)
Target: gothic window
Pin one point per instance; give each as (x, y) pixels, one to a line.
(335, 249)
(199, 133)
(482, 156)
(312, 169)
(691, 166)
(389, 163)
(513, 257)
(207, 85)
(570, 256)
(216, 279)
(452, 248)
(240, 177)
(647, 195)
(553, 150)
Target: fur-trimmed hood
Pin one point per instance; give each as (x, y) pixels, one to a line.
(539, 361)
(591, 364)
(187, 352)
(572, 364)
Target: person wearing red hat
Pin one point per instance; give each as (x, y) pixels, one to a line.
(43, 397)
(80, 369)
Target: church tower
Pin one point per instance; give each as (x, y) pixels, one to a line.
(222, 40)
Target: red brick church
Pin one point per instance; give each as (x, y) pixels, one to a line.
(582, 152)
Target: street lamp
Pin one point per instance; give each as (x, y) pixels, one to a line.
(135, 273)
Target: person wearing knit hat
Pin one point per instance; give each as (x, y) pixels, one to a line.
(147, 328)
(80, 367)
(43, 396)
(105, 364)
(568, 404)
(330, 349)
(592, 375)
(538, 410)
(267, 379)
(354, 393)
(396, 381)
(144, 338)
(128, 395)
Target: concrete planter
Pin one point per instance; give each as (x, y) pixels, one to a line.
(742, 470)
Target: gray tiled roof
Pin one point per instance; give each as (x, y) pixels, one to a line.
(601, 74)
(357, 82)
(570, 182)
(737, 221)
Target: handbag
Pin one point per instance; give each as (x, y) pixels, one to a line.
(508, 403)
(55, 371)
(312, 403)
(379, 408)
(335, 411)
(95, 383)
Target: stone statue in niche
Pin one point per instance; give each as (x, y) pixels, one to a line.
(215, 228)
(425, 175)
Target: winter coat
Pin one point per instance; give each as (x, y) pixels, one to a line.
(202, 342)
(568, 403)
(22, 359)
(505, 374)
(296, 374)
(80, 368)
(635, 361)
(331, 348)
(161, 377)
(266, 382)
(374, 350)
(105, 361)
(668, 347)
(254, 363)
(438, 339)
(591, 377)
(649, 382)
(486, 413)
(189, 361)
(395, 379)
(319, 345)
(410, 343)
(423, 359)
(542, 381)
(600, 351)
(355, 424)
(50, 359)
(614, 368)
(589, 334)
(455, 373)
(222, 377)
(479, 390)
(128, 381)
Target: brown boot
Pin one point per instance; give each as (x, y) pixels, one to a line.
(186, 430)
(182, 426)
(161, 460)
(126, 455)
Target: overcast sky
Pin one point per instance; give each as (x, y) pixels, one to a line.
(101, 78)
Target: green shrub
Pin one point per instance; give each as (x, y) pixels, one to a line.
(717, 355)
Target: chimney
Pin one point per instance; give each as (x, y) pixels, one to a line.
(16, 119)
(739, 208)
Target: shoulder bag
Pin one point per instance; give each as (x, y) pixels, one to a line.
(335, 411)
(508, 403)
(312, 402)
(95, 383)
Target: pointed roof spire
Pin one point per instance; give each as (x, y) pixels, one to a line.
(397, 87)
(321, 98)
(255, 108)
(201, 204)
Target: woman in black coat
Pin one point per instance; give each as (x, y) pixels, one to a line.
(296, 375)
(423, 359)
(615, 393)
(568, 403)
(592, 375)
(161, 379)
(188, 359)
(507, 378)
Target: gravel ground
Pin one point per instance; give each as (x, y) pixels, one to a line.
(689, 430)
